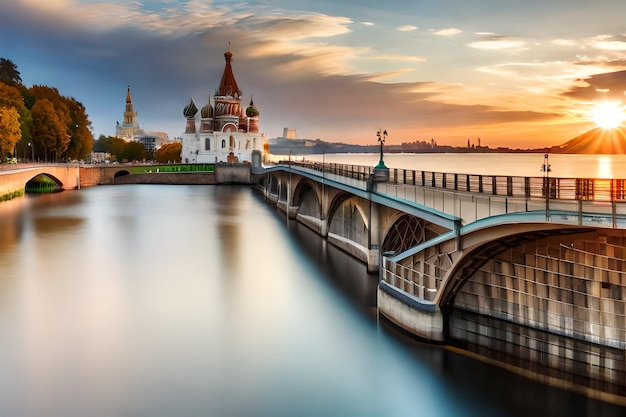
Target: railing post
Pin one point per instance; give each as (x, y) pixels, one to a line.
(494, 185)
(509, 186)
(413, 177)
(423, 178)
(456, 182)
(480, 183)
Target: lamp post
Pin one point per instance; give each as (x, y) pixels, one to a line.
(545, 168)
(382, 136)
(381, 172)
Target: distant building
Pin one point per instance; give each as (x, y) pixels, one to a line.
(129, 130)
(227, 132)
(289, 133)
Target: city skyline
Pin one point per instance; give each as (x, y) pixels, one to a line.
(519, 75)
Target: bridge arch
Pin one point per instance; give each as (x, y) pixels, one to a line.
(306, 196)
(43, 183)
(121, 173)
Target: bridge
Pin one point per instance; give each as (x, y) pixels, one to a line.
(528, 271)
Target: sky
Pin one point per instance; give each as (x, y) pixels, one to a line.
(519, 74)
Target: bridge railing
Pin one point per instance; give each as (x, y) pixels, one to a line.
(584, 189)
(417, 283)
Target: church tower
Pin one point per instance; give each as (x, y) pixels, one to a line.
(130, 115)
(129, 129)
(227, 100)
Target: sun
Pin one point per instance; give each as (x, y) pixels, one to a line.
(608, 114)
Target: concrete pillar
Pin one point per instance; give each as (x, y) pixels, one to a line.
(373, 238)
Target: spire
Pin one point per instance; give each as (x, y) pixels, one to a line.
(128, 99)
(228, 85)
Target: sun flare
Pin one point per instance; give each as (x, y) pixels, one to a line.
(608, 114)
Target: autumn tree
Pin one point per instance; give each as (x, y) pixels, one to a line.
(81, 139)
(10, 132)
(169, 152)
(11, 97)
(73, 116)
(50, 135)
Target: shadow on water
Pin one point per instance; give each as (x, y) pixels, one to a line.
(477, 381)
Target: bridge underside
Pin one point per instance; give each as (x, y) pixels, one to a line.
(550, 302)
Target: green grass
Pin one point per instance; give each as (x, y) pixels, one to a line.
(142, 169)
(40, 185)
(11, 195)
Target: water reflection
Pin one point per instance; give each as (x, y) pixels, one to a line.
(196, 300)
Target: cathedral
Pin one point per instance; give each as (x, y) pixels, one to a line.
(129, 130)
(226, 132)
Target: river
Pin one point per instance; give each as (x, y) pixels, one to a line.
(155, 300)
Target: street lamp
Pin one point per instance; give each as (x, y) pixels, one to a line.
(381, 172)
(545, 167)
(381, 139)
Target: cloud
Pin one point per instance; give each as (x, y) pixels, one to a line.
(498, 43)
(448, 32)
(406, 28)
(610, 85)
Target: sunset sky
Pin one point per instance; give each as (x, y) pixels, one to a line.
(514, 73)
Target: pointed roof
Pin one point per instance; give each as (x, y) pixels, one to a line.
(228, 85)
(128, 99)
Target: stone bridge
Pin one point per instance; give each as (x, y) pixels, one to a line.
(526, 270)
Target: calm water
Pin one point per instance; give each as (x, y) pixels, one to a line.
(513, 164)
(204, 301)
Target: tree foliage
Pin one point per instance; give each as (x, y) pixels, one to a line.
(50, 135)
(169, 152)
(9, 73)
(120, 149)
(10, 132)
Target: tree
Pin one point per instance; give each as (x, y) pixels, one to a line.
(9, 73)
(49, 133)
(81, 139)
(73, 116)
(10, 132)
(169, 152)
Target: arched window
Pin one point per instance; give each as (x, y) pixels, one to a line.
(232, 142)
(223, 143)
(207, 144)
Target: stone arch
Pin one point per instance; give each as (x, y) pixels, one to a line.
(229, 127)
(485, 245)
(49, 176)
(43, 183)
(348, 219)
(306, 197)
(121, 173)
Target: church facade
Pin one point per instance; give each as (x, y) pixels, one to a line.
(225, 131)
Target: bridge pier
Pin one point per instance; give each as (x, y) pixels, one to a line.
(421, 318)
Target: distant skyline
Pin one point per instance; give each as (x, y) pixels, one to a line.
(516, 74)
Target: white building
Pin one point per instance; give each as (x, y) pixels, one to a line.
(226, 132)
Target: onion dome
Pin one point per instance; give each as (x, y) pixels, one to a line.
(206, 112)
(190, 110)
(252, 110)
